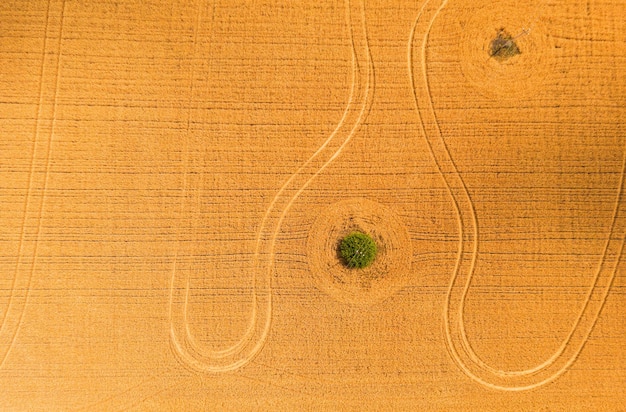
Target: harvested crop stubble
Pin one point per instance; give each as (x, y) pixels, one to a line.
(177, 176)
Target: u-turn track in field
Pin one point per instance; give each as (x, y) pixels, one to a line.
(457, 341)
(188, 349)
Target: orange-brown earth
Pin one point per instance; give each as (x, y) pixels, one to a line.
(175, 176)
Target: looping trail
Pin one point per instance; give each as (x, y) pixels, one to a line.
(458, 344)
(188, 349)
(37, 179)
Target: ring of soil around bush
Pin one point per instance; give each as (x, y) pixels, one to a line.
(523, 72)
(387, 274)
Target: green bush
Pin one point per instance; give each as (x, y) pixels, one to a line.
(358, 250)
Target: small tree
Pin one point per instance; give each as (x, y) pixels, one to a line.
(358, 250)
(504, 46)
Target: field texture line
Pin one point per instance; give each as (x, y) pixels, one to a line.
(235, 356)
(13, 315)
(457, 342)
(137, 394)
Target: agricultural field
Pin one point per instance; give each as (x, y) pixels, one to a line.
(312, 205)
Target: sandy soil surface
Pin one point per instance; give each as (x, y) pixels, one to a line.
(175, 176)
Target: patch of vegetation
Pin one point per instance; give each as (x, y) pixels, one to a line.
(358, 250)
(503, 46)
